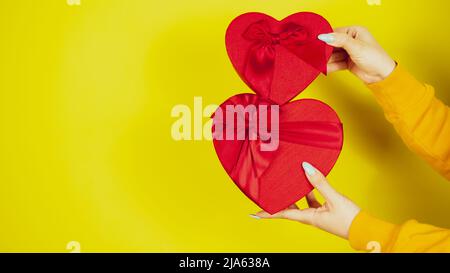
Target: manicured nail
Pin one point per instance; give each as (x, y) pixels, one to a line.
(327, 38)
(309, 169)
(255, 216)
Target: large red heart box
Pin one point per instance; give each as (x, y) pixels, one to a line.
(309, 130)
(278, 59)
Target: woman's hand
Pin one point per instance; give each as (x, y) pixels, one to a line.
(335, 215)
(358, 51)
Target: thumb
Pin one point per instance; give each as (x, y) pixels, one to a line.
(319, 182)
(342, 40)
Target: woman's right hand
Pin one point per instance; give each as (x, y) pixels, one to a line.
(358, 51)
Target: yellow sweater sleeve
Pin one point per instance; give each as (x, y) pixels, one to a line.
(423, 122)
(406, 238)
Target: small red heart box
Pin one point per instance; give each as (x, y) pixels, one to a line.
(277, 60)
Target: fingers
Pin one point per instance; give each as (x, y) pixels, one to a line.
(319, 182)
(338, 55)
(334, 67)
(351, 30)
(341, 40)
(265, 215)
(304, 216)
(346, 41)
(357, 32)
(342, 29)
(279, 215)
(338, 61)
(312, 201)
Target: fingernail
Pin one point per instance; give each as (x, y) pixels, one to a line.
(255, 216)
(309, 169)
(327, 38)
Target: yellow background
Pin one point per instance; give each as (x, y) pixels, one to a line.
(85, 147)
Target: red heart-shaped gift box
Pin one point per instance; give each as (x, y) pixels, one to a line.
(277, 60)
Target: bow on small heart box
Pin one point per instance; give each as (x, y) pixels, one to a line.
(262, 139)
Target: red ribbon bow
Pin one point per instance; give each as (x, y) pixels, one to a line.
(260, 64)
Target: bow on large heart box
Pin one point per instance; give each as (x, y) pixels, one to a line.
(277, 60)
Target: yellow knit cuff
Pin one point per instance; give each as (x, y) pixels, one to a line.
(395, 78)
(366, 229)
(399, 91)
